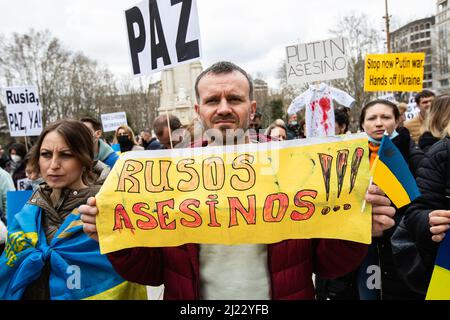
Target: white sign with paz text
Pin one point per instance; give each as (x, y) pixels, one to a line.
(111, 121)
(162, 34)
(23, 111)
(316, 61)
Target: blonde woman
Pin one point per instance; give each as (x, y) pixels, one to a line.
(436, 126)
(124, 136)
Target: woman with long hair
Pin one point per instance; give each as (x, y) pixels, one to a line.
(124, 136)
(46, 249)
(377, 118)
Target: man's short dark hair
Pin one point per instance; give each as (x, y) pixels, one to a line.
(161, 122)
(223, 67)
(97, 125)
(342, 118)
(424, 94)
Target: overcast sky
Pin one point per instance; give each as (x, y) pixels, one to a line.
(251, 33)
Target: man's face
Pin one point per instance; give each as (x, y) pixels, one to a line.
(425, 104)
(224, 102)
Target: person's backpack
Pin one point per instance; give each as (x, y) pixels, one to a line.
(416, 268)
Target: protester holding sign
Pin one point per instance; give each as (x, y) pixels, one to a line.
(378, 117)
(246, 271)
(47, 256)
(416, 241)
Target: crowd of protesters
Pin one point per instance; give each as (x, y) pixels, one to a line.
(70, 161)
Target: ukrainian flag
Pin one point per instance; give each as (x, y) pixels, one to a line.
(391, 173)
(439, 288)
(77, 269)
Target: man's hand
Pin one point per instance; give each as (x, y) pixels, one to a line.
(440, 223)
(382, 212)
(89, 213)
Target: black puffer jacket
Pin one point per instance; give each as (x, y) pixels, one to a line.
(393, 286)
(426, 140)
(433, 180)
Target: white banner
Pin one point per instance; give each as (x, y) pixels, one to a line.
(23, 111)
(111, 121)
(316, 61)
(162, 34)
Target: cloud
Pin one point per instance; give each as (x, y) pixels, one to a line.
(252, 33)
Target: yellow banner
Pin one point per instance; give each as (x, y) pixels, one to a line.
(394, 72)
(253, 193)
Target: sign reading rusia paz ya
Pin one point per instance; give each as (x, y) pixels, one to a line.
(394, 72)
(255, 193)
(23, 111)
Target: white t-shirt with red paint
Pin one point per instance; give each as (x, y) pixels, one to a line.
(319, 104)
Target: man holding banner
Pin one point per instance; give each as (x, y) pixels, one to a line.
(281, 270)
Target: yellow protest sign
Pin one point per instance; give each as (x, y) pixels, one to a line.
(394, 72)
(253, 193)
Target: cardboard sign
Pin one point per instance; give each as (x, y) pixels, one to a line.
(317, 61)
(111, 121)
(162, 34)
(252, 193)
(394, 72)
(23, 111)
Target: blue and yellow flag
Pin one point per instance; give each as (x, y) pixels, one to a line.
(77, 269)
(439, 288)
(391, 173)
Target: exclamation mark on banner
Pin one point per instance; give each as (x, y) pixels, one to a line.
(356, 161)
(341, 167)
(326, 161)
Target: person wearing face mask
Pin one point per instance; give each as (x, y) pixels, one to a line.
(124, 136)
(293, 128)
(16, 164)
(378, 117)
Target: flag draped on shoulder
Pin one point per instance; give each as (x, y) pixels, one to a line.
(391, 173)
(439, 288)
(77, 269)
